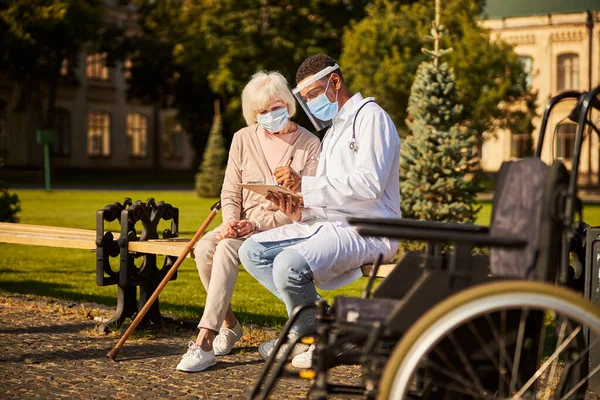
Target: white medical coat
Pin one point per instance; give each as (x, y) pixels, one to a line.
(364, 183)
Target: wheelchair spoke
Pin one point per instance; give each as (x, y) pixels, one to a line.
(540, 354)
(466, 362)
(486, 349)
(519, 348)
(581, 382)
(505, 359)
(553, 359)
(463, 390)
(457, 377)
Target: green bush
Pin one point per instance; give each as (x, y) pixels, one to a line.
(10, 205)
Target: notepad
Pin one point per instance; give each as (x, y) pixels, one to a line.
(264, 189)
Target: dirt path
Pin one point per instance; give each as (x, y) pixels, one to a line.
(49, 349)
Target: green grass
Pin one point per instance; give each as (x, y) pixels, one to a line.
(70, 274)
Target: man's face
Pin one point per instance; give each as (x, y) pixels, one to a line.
(316, 88)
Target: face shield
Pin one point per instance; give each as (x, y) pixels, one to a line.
(309, 91)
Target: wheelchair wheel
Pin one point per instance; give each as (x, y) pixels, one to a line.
(509, 339)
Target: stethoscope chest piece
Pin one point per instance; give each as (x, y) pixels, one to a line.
(353, 145)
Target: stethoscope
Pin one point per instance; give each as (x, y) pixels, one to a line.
(353, 144)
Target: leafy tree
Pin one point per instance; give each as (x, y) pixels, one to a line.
(209, 179)
(381, 54)
(155, 74)
(37, 37)
(229, 40)
(438, 153)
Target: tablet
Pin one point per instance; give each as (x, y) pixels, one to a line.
(264, 189)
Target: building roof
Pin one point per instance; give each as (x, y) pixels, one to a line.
(520, 8)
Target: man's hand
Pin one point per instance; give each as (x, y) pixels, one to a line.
(288, 178)
(228, 230)
(289, 205)
(244, 228)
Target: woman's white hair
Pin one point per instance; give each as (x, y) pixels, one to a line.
(263, 88)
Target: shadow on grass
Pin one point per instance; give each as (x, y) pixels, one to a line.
(57, 290)
(62, 328)
(65, 292)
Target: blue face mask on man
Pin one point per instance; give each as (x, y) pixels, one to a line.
(274, 121)
(322, 108)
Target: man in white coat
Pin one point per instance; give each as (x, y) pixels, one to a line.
(357, 175)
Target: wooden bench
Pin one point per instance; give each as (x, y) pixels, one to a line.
(126, 247)
(73, 238)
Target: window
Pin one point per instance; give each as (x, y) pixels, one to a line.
(173, 142)
(62, 132)
(568, 72)
(99, 134)
(527, 78)
(3, 128)
(64, 68)
(521, 145)
(127, 68)
(565, 140)
(96, 67)
(137, 133)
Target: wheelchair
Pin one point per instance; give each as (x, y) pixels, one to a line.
(450, 324)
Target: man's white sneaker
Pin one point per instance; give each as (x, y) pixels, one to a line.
(226, 338)
(196, 359)
(304, 360)
(266, 348)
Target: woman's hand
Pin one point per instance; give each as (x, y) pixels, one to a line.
(289, 205)
(288, 178)
(228, 230)
(244, 228)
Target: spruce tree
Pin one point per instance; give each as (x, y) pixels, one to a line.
(209, 179)
(439, 155)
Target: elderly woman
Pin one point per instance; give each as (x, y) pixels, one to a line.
(269, 141)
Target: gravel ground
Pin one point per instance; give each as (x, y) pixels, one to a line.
(49, 349)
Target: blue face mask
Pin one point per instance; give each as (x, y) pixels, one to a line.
(274, 121)
(322, 108)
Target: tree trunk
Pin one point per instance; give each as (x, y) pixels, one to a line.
(47, 123)
(156, 139)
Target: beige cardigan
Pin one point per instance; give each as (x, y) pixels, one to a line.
(247, 163)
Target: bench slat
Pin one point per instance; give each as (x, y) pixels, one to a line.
(383, 271)
(65, 241)
(86, 239)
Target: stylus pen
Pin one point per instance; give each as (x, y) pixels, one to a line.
(290, 161)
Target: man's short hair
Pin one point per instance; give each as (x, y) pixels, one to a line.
(314, 64)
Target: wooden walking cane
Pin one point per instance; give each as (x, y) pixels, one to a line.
(112, 355)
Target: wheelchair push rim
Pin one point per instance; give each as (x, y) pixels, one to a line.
(416, 353)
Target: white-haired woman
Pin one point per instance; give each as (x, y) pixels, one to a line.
(270, 140)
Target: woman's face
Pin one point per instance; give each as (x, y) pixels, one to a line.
(272, 106)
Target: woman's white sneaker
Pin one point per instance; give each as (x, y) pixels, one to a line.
(304, 360)
(196, 359)
(226, 339)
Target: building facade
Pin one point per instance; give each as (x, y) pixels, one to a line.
(559, 44)
(95, 125)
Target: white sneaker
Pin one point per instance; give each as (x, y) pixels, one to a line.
(196, 359)
(224, 341)
(266, 348)
(304, 360)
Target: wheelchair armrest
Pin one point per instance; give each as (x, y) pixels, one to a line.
(408, 223)
(476, 239)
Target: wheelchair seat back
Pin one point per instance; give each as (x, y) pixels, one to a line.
(526, 205)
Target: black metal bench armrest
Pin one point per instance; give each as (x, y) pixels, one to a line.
(408, 223)
(477, 239)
